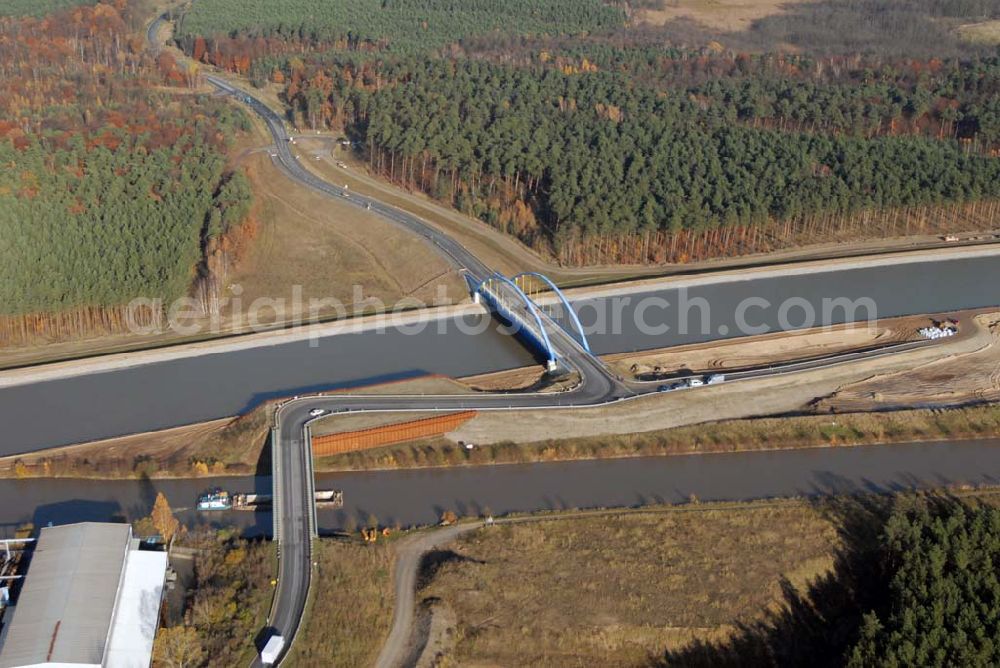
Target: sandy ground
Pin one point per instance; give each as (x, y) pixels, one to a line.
(757, 351)
(532, 378)
(958, 379)
(727, 15)
(764, 396)
(440, 625)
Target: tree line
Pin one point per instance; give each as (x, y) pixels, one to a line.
(554, 157)
(913, 583)
(941, 606)
(399, 26)
(861, 95)
(228, 600)
(112, 189)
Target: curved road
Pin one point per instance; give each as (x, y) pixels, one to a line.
(294, 509)
(288, 163)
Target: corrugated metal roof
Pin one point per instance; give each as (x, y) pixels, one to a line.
(65, 608)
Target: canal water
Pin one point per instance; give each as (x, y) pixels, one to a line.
(420, 496)
(186, 391)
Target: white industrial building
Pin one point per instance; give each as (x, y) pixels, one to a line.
(90, 598)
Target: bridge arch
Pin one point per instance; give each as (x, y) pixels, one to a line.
(492, 290)
(581, 336)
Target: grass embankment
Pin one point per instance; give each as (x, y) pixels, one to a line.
(223, 447)
(351, 605)
(616, 590)
(726, 436)
(234, 447)
(770, 583)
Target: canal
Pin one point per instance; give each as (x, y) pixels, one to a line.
(420, 496)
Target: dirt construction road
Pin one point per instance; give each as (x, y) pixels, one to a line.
(401, 647)
(411, 551)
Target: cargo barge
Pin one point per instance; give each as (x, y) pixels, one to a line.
(220, 499)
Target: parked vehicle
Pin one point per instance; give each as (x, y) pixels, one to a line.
(272, 650)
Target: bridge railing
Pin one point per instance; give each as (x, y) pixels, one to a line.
(276, 491)
(510, 302)
(561, 312)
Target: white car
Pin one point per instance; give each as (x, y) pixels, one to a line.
(316, 412)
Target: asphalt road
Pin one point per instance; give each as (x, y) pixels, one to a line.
(293, 479)
(292, 472)
(294, 511)
(286, 161)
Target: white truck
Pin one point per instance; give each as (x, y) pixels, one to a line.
(715, 379)
(272, 650)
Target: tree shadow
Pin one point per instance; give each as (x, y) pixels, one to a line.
(819, 624)
(432, 562)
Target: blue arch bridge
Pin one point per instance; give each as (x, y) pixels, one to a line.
(533, 305)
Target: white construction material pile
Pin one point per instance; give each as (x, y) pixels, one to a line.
(937, 332)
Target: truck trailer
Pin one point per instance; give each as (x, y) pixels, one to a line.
(272, 650)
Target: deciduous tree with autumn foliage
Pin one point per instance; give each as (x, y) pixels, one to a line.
(114, 186)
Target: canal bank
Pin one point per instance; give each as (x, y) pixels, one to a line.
(208, 387)
(411, 497)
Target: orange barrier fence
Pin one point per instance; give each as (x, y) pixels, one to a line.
(375, 437)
